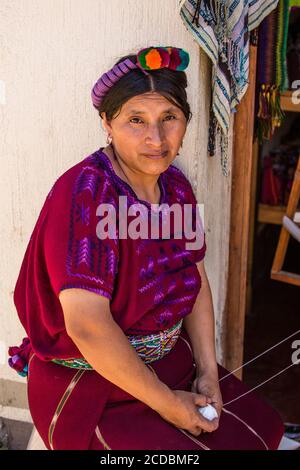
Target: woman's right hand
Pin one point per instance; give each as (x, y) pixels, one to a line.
(183, 412)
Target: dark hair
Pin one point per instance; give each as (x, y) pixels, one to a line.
(169, 83)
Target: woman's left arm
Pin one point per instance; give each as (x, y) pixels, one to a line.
(200, 326)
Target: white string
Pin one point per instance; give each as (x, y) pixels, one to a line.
(247, 426)
(259, 355)
(262, 383)
(249, 391)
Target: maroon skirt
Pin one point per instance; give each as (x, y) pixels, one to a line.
(79, 409)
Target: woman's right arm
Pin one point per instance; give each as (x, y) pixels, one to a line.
(106, 348)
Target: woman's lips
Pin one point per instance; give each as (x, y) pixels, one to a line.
(154, 157)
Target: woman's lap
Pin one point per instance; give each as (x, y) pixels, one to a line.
(249, 423)
(126, 423)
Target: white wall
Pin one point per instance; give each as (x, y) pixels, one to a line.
(51, 53)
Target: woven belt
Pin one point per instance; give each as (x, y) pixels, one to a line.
(149, 347)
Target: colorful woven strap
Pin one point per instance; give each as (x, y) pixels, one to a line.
(149, 347)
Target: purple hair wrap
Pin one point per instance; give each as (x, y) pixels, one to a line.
(149, 58)
(108, 79)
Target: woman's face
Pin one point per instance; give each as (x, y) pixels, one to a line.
(147, 125)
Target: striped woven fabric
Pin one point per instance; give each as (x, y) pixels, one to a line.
(149, 347)
(155, 346)
(272, 74)
(221, 28)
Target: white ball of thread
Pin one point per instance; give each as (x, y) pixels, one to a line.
(208, 412)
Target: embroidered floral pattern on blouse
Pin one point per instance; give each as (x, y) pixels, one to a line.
(90, 258)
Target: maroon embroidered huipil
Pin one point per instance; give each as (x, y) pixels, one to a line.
(151, 283)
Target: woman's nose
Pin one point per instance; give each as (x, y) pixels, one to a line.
(156, 135)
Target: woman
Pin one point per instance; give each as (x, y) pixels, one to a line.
(120, 351)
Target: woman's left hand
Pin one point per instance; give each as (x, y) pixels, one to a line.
(208, 385)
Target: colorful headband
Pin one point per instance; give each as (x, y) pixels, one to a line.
(149, 58)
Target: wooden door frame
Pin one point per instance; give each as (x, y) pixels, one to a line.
(242, 170)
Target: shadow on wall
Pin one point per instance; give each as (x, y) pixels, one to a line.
(14, 435)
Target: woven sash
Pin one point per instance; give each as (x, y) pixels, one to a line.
(150, 347)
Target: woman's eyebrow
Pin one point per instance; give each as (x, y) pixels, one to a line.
(137, 111)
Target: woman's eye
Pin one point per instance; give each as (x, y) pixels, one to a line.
(138, 119)
(171, 115)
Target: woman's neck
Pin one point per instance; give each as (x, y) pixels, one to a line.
(148, 191)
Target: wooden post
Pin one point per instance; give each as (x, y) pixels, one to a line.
(239, 224)
(252, 215)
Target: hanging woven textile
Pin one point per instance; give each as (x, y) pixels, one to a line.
(272, 76)
(221, 28)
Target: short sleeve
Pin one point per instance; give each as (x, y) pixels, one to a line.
(198, 227)
(75, 255)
